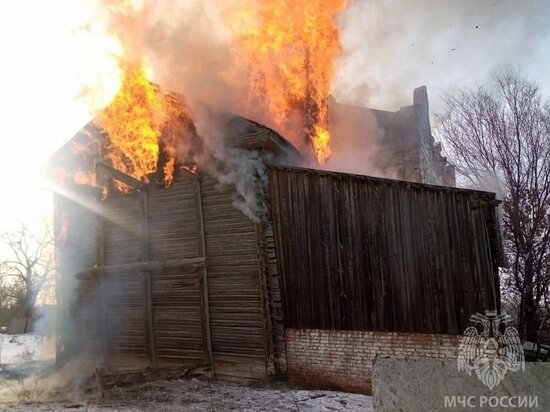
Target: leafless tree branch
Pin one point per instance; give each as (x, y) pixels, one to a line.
(24, 274)
(499, 138)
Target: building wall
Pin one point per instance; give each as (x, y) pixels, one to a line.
(274, 300)
(110, 310)
(396, 144)
(343, 360)
(238, 317)
(360, 253)
(372, 267)
(399, 143)
(75, 228)
(433, 167)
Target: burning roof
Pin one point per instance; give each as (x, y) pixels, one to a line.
(269, 61)
(288, 48)
(277, 69)
(149, 142)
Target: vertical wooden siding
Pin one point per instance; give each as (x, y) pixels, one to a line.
(121, 293)
(274, 301)
(236, 308)
(374, 254)
(234, 285)
(75, 247)
(175, 292)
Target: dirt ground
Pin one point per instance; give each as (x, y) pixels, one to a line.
(201, 395)
(28, 382)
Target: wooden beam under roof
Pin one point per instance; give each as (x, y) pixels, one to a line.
(120, 176)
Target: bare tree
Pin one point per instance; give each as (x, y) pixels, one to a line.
(499, 139)
(24, 274)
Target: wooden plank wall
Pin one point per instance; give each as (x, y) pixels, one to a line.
(121, 293)
(363, 253)
(175, 292)
(234, 284)
(75, 227)
(274, 301)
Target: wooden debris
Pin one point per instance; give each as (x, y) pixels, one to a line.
(106, 379)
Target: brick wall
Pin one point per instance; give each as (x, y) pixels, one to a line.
(337, 359)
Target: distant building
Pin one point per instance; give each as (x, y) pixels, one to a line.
(406, 148)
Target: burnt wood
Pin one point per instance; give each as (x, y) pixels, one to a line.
(197, 281)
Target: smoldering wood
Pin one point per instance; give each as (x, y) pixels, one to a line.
(234, 285)
(175, 246)
(254, 136)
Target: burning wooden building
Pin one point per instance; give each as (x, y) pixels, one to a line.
(336, 268)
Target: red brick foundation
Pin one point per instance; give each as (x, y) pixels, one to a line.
(339, 359)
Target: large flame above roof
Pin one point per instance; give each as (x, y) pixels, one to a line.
(288, 47)
(139, 123)
(133, 122)
(285, 49)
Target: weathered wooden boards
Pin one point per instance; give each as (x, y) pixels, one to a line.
(373, 254)
(75, 247)
(176, 280)
(186, 278)
(237, 317)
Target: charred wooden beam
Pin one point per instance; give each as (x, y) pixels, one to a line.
(142, 266)
(120, 176)
(204, 272)
(266, 310)
(101, 289)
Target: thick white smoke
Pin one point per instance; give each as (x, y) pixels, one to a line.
(392, 46)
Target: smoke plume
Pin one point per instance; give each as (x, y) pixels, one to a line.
(393, 46)
(388, 49)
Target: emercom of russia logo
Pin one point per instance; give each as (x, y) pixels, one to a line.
(488, 351)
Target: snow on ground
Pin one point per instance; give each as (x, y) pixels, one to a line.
(200, 395)
(23, 348)
(23, 355)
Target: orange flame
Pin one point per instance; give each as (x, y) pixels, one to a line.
(285, 47)
(133, 122)
(288, 47)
